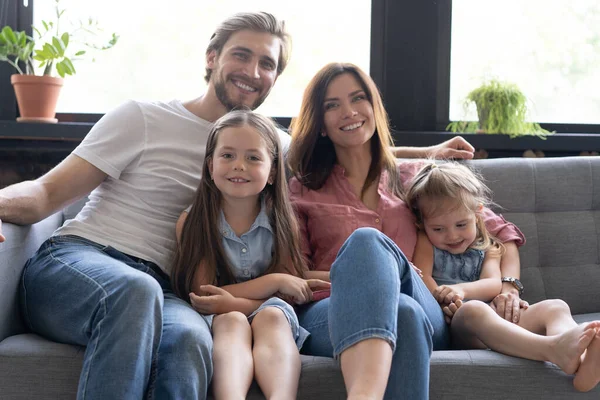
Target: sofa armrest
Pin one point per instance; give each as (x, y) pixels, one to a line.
(21, 243)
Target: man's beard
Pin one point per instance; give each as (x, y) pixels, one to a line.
(221, 92)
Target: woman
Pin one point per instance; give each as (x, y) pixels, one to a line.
(346, 190)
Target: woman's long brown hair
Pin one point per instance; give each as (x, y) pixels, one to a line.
(312, 157)
(201, 239)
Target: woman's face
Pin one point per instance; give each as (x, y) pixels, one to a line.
(348, 114)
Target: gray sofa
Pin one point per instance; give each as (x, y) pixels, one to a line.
(555, 202)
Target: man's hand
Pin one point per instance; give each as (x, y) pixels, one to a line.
(455, 148)
(2, 238)
(508, 305)
(216, 300)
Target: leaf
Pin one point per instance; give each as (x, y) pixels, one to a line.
(58, 45)
(65, 39)
(49, 49)
(45, 25)
(9, 35)
(80, 53)
(60, 69)
(69, 67)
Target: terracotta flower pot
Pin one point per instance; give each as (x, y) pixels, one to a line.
(37, 97)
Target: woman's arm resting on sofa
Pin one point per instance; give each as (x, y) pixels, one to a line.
(28, 202)
(456, 148)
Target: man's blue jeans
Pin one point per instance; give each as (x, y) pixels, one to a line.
(375, 293)
(141, 340)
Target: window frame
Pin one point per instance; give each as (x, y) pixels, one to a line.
(410, 63)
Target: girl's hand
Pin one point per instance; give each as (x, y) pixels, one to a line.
(448, 294)
(417, 270)
(299, 290)
(216, 300)
(450, 309)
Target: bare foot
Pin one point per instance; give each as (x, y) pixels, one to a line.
(588, 374)
(568, 347)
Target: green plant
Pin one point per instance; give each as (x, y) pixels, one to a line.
(501, 108)
(55, 48)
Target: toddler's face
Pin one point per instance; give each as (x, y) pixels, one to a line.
(454, 230)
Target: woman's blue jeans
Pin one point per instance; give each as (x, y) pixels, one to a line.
(141, 340)
(375, 293)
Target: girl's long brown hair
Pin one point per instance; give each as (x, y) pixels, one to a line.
(463, 187)
(201, 239)
(312, 157)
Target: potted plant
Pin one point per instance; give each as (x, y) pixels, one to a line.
(501, 108)
(54, 49)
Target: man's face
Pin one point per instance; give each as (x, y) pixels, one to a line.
(245, 70)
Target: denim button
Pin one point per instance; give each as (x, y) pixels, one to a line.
(377, 220)
(244, 250)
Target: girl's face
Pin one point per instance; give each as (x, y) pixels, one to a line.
(454, 231)
(349, 120)
(241, 164)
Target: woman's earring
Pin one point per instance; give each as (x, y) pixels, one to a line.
(323, 134)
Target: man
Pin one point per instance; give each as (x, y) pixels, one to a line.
(101, 280)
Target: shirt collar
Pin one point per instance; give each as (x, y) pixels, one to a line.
(262, 220)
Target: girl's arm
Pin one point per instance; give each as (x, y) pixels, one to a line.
(489, 283)
(423, 259)
(322, 275)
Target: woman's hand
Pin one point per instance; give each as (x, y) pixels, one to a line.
(299, 291)
(2, 238)
(455, 148)
(508, 305)
(216, 300)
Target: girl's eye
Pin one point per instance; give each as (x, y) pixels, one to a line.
(461, 225)
(226, 155)
(329, 106)
(358, 97)
(254, 158)
(437, 229)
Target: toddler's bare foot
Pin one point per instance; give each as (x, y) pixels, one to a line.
(588, 374)
(569, 346)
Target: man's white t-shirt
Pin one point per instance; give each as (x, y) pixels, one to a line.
(153, 155)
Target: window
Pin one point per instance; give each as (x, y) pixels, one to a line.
(550, 49)
(160, 54)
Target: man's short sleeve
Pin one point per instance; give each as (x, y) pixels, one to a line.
(115, 141)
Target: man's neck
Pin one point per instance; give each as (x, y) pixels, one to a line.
(208, 107)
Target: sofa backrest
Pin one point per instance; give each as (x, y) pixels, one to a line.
(556, 204)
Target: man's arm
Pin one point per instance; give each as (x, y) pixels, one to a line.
(31, 201)
(457, 148)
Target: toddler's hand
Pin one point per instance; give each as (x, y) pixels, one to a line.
(447, 294)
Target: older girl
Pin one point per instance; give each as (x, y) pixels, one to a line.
(238, 249)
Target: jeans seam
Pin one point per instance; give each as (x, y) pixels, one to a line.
(94, 345)
(370, 333)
